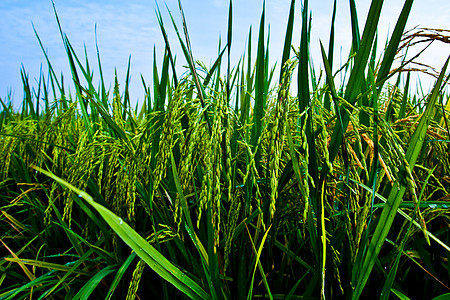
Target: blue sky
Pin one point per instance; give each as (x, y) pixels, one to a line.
(130, 28)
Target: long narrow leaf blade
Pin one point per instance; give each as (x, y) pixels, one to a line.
(143, 249)
(395, 197)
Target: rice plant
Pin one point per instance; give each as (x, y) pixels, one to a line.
(226, 184)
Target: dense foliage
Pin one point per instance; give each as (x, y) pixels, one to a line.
(228, 186)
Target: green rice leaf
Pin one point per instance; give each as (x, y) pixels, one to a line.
(123, 268)
(260, 95)
(303, 78)
(34, 283)
(166, 41)
(44, 264)
(229, 41)
(389, 54)
(288, 39)
(85, 292)
(405, 215)
(354, 82)
(355, 26)
(154, 259)
(399, 294)
(73, 269)
(327, 102)
(442, 297)
(361, 275)
(258, 263)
